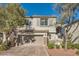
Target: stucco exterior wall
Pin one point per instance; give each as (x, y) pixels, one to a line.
(41, 32)
(36, 23)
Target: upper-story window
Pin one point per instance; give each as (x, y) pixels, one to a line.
(43, 22)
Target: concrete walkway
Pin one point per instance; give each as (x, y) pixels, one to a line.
(26, 50)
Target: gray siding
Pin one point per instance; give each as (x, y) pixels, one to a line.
(74, 31)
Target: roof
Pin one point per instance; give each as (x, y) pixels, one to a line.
(40, 16)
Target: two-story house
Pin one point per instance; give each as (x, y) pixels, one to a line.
(41, 28)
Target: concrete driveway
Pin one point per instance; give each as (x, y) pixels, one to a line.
(26, 50)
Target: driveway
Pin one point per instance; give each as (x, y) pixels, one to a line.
(26, 50)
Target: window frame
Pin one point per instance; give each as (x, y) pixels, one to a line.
(43, 22)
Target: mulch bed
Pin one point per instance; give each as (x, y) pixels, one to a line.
(62, 52)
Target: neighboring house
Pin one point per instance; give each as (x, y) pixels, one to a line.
(41, 28)
(73, 31)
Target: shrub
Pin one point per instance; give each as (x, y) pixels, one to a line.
(69, 45)
(4, 46)
(76, 46)
(62, 45)
(51, 45)
(0, 41)
(57, 46)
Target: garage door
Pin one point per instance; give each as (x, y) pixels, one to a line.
(39, 40)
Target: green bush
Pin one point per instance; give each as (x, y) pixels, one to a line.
(76, 46)
(70, 45)
(62, 45)
(4, 46)
(0, 41)
(51, 45)
(57, 46)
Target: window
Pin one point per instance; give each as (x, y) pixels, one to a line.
(43, 22)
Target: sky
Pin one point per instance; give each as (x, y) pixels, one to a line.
(45, 9)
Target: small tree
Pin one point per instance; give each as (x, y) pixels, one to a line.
(67, 12)
(11, 17)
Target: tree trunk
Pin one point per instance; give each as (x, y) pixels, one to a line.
(65, 40)
(4, 37)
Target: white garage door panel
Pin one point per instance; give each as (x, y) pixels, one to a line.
(39, 40)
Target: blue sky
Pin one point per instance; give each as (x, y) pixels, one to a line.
(45, 9)
(39, 9)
